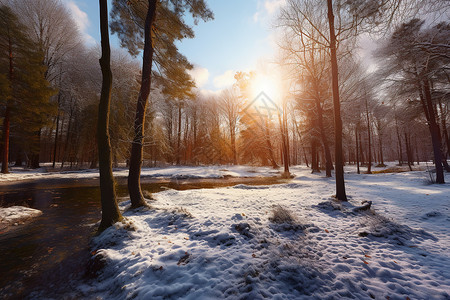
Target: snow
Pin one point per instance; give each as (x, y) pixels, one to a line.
(16, 215)
(171, 172)
(284, 241)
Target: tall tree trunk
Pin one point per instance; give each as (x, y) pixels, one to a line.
(380, 142)
(66, 146)
(340, 183)
(7, 118)
(357, 150)
(369, 159)
(55, 146)
(408, 151)
(284, 144)
(134, 176)
(323, 135)
(6, 127)
(435, 133)
(179, 134)
(110, 210)
(314, 159)
(233, 143)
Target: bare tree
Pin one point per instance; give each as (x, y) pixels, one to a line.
(230, 105)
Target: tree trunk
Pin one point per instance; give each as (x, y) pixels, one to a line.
(134, 180)
(55, 146)
(233, 143)
(357, 150)
(369, 159)
(380, 142)
(110, 210)
(66, 146)
(340, 183)
(314, 160)
(435, 133)
(326, 148)
(6, 127)
(179, 134)
(408, 151)
(7, 118)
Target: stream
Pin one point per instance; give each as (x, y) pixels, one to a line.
(47, 257)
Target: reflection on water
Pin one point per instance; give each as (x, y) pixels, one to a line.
(46, 257)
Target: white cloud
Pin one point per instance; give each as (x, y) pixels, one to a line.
(224, 80)
(82, 20)
(200, 75)
(272, 6)
(266, 9)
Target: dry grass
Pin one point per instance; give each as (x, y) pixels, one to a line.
(281, 215)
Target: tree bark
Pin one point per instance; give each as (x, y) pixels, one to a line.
(369, 159)
(7, 118)
(6, 127)
(357, 150)
(435, 133)
(55, 146)
(339, 169)
(134, 180)
(179, 134)
(110, 210)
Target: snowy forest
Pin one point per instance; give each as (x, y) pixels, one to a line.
(349, 115)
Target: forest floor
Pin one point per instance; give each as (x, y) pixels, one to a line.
(283, 241)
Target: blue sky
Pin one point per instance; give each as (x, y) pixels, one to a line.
(236, 40)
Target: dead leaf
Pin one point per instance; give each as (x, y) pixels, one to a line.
(186, 238)
(326, 230)
(368, 256)
(395, 261)
(365, 262)
(243, 214)
(253, 255)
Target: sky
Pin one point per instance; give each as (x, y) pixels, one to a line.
(238, 39)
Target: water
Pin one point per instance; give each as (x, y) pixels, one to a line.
(47, 257)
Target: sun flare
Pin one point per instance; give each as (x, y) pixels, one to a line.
(267, 84)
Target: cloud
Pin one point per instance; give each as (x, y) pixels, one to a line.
(266, 9)
(272, 6)
(82, 20)
(200, 75)
(224, 80)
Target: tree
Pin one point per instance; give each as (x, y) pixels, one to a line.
(110, 210)
(56, 36)
(27, 91)
(415, 67)
(135, 21)
(338, 155)
(230, 106)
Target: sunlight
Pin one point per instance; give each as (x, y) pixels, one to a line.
(269, 84)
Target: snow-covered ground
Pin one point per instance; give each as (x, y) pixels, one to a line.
(171, 172)
(16, 215)
(285, 241)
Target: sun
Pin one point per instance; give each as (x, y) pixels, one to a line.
(268, 84)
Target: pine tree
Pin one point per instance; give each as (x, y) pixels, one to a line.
(28, 102)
